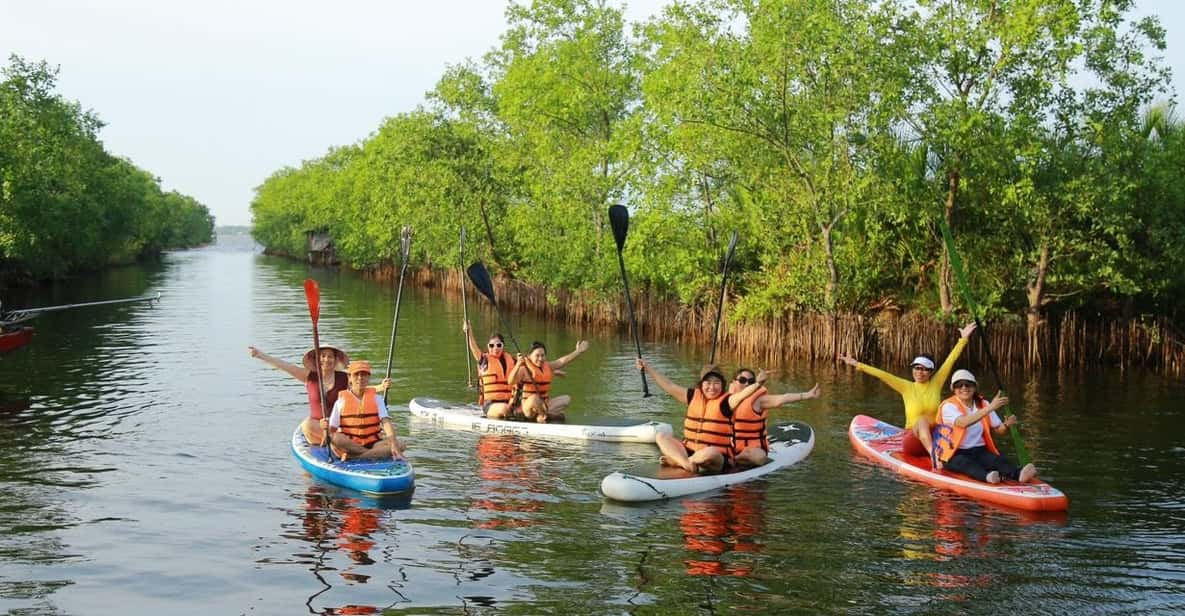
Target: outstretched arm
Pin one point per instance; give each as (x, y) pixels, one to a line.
(673, 390)
(736, 399)
(473, 348)
(771, 401)
(898, 384)
(948, 365)
(581, 347)
(298, 372)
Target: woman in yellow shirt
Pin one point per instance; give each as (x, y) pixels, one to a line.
(921, 395)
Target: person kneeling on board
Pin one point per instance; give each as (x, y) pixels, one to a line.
(963, 437)
(707, 428)
(359, 426)
(750, 445)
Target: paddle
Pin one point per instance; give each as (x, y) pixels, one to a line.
(481, 280)
(732, 246)
(312, 294)
(465, 315)
(956, 264)
(404, 250)
(619, 219)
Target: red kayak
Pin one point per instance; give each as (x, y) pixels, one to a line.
(14, 339)
(881, 442)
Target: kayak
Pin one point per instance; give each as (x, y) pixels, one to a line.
(790, 443)
(468, 417)
(382, 476)
(15, 338)
(881, 442)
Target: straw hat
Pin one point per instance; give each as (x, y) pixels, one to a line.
(311, 366)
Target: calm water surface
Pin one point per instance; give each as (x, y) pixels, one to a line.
(147, 471)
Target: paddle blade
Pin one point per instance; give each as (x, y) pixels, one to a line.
(405, 244)
(312, 294)
(732, 247)
(619, 219)
(481, 279)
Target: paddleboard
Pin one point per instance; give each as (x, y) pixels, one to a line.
(383, 476)
(881, 442)
(790, 443)
(468, 417)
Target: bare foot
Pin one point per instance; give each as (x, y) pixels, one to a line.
(1027, 473)
(993, 477)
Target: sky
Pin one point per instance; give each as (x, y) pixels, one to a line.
(213, 97)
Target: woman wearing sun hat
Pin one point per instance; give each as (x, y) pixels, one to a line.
(964, 436)
(921, 395)
(333, 362)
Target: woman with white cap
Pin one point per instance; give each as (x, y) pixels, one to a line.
(333, 362)
(921, 395)
(963, 439)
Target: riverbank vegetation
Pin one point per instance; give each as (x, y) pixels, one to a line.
(66, 203)
(833, 136)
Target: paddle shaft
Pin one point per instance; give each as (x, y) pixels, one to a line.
(732, 244)
(313, 296)
(405, 246)
(629, 304)
(465, 315)
(1022, 453)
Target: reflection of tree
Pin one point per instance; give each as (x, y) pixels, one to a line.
(718, 526)
(510, 476)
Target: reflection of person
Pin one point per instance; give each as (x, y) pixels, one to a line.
(510, 483)
(359, 426)
(716, 527)
(493, 370)
(707, 427)
(750, 445)
(964, 441)
(921, 395)
(534, 374)
(333, 362)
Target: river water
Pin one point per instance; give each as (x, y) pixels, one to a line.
(147, 471)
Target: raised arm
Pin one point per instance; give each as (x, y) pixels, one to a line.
(581, 347)
(473, 348)
(898, 384)
(673, 390)
(944, 370)
(298, 372)
(736, 399)
(770, 401)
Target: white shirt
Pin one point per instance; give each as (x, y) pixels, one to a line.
(335, 420)
(972, 434)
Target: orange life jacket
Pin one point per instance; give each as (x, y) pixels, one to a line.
(948, 437)
(495, 384)
(748, 425)
(360, 418)
(540, 381)
(705, 424)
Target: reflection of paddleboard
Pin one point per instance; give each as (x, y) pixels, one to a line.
(882, 443)
(790, 442)
(382, 476)
(468, 417)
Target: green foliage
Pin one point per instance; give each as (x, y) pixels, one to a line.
(65, 203)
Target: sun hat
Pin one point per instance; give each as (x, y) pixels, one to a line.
(340, 364)
(962, 375)
(358, 366)
(922, 361)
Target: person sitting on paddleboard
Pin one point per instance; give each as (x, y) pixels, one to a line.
(359, 426)
(533, 373)
(707, 427)
(333, 362)
(921, 395)
(750, 445)
(963, 436)
(493, 370)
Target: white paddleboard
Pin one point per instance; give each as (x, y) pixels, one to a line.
(468, 417)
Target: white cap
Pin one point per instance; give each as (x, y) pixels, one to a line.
(922, 361)
(962, 375)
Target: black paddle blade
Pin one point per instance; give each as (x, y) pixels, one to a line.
(619, 219)
(481, 279)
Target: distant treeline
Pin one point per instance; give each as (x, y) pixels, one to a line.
(833, 135)
(65, 202)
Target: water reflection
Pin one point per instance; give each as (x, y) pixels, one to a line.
(717, 527)
(511, 483)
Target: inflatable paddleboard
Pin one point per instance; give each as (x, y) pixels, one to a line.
(790, 443)
(881, 442)
(382, 476)
(468, 417)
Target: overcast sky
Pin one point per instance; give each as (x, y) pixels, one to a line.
(214, 96)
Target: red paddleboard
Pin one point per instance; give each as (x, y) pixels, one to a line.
(881, 442)
(15, 339)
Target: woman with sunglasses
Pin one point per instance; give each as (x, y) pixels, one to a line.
(493, 370)
(921, 395)
(963, 439)
(750, 445)
(707, 427)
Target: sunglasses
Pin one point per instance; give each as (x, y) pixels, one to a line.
(744, 380)
(920, 367)
(495, 345)
(963, 385)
